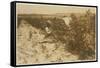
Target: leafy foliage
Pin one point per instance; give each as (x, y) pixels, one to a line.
(78, 37)
(82, 31)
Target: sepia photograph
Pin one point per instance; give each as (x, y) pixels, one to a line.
(48, 33)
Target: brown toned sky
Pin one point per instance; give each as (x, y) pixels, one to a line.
(25, 8)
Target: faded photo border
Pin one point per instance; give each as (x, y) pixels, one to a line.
(14, 26)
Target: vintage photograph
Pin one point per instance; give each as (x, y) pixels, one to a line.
(54, 33)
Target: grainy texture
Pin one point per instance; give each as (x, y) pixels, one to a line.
(32, 50)
(57, 37)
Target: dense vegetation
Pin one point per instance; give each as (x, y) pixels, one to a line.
(78, 37)
(82, 35)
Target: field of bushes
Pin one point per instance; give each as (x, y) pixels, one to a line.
(47, 39)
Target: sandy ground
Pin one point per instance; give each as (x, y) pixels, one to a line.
(30, 50)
